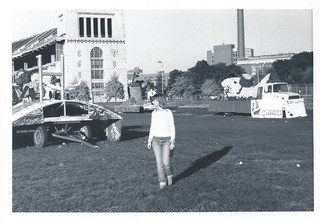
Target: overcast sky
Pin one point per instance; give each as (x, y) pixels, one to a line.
(180, 38)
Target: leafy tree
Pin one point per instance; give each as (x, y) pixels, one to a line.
(299, 69)
(158, 84)
(301, 64)
(114, 89)
(82, 92)
(220, 71)
(308, 75)
(182, 87)
(281, 69)
(273, 75)
(200, 73)
(295, 75)
(201, 68)
(210, 87)
(173, 75)
(302, 60)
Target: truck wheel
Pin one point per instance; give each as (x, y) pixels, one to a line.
(86, 132)
(40, 137)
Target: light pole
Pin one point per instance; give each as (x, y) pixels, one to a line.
(162, 82)
(162, 71)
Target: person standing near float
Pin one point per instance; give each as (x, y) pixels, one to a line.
(151, 93)
(162, 139)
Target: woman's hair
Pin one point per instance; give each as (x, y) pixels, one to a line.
(160, 98)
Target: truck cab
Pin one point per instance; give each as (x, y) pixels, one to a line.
(278, 90)
(275, 100)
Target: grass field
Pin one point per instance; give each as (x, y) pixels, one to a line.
(221, 163)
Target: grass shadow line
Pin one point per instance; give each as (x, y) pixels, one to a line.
(20, 141)
(202, 163)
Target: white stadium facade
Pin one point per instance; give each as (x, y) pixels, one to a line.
(93, 44)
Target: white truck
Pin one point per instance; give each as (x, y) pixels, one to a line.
(274, 100)
(264, 100)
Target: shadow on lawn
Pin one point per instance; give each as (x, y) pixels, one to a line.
(23, 140)
(202, 163)
(130, 132)
(26, 140)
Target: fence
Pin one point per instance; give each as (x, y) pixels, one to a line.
(302, 89)
(306, 91)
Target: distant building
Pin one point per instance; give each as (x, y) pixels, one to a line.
(254, 65)
(210, 57)
(248, 52)
(259, 65)
(93, 43)
(226, 54)
(223, 54)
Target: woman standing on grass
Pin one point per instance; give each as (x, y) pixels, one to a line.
(162, 138)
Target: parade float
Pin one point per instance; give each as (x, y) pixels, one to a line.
(263, 100)
(62, 118)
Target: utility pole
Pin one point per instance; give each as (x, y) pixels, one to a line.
(162, 71)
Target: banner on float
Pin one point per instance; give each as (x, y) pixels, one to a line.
(267, 109)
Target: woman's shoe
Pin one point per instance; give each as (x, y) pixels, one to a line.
(162, 185)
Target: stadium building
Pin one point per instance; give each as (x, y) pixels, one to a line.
(93, 43)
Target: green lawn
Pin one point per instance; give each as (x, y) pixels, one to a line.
(232, 163)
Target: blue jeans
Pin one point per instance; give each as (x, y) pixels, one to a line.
(161, 148)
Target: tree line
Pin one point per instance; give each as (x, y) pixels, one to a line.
(205, 80)
(297, 70)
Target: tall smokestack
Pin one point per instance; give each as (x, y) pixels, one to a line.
(241, 46)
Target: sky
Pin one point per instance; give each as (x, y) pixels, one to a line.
(181, 37)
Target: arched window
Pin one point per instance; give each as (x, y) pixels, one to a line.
(97, 71)
(96, 63)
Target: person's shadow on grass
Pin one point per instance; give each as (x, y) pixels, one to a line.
(202, 163)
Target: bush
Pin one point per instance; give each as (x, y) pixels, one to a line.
(114, 89)
(81, 92)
